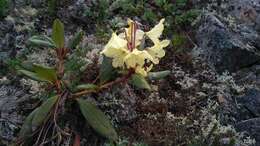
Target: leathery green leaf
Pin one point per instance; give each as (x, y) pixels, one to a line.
(26, 129)
(40, 73)
(58, 35)
(43, 111)
(158, 75)
(46, 73)
(97, 119)
(32, 75)
(139, 81)
(106, 70)
(36, 117)
(41, 41)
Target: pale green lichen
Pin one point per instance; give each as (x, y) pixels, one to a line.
(35, 87)
(227, 82)
(211, 120)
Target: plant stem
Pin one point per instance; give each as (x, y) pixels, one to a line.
(105, 86)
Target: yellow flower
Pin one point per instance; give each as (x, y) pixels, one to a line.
(157, 51)
(137, 60)
(154, 34)
(116, 48)
(143, 70)
(123, 48)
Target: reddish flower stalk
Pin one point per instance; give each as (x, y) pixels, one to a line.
(123, 79)
(134, 25)
(131, 41)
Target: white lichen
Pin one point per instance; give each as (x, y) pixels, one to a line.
(227, 83)
(35, 86)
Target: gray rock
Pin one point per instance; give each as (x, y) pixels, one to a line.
(10, 115)
(246, 76)
(224, 49)
(241, 108)
(245, 11)
(257, 69)
(251, 102)
(7, 36)
(251, 128)
(120, 103)
(37, 3)
(247, 19)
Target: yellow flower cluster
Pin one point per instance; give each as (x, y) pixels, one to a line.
(123, 48)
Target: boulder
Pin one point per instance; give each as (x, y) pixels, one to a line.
(251, 102)
(7, 41)
(228, 33)
(37, 3)
(224, 49)
(10, 113)
(250, 128)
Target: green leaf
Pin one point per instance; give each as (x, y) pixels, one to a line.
(43, 111)
(32, 75)
(36, 117)
(4, 7)
(158, 75)
(196, 144)
(181, 3)
(26, 129)
(149, 15)
(97, 119)
(58, 35)
(159, 3)
(40, 73)
(52, 5)
(74, 42)
(87, 86)
(106, 70)
(139, 81)
(41, 41)
(46, 73)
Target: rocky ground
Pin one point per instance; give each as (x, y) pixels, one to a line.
(211, 97)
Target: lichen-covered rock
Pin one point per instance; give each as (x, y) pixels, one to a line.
(246, 76)
(237, 110)
(14, 32)
(37, 3)
(251, 102)
(250, 128)
(10, 113)
(120, 103)
(222, 48)
(7, 39)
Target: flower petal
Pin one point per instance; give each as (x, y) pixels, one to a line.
(118, 62)
(137, 58)
(116, 49)
(155, 33)
(141, 71)
(157, 51)
(115, 46)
